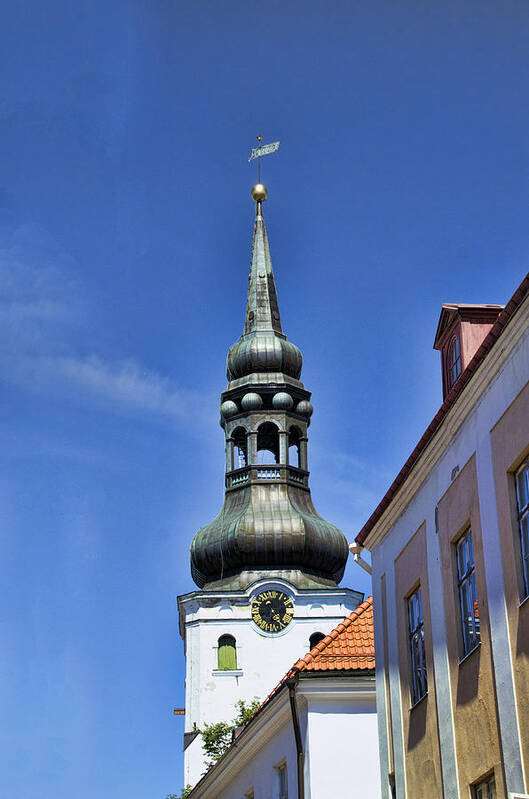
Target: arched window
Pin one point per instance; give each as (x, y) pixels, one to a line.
(315, 638)
(240, 448)
(267, 443)
(453, 361)
(293, 446)
(227, 653)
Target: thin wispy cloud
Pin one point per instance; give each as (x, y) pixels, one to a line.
(39, 293)
(41, 321)
(125, 384)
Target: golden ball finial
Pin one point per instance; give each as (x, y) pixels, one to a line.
(259, 193)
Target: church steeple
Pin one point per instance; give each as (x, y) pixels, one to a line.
(268, 526)
(268, 566)
(262, 308)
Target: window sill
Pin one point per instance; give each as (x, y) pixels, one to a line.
(469, 654)
(227, 672)
(418, 702)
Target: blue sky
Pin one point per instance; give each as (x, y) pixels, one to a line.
(125, 224)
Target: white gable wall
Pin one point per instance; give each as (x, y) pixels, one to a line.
(342, 748)
(339, 730)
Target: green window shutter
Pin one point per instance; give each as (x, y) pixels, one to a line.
(227, 653)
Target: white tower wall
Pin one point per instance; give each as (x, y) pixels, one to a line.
(262, 658)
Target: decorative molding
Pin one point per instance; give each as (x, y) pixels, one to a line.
(227, 672)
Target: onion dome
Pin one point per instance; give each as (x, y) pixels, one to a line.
(263, 353)
(286, 535)
(263, 346)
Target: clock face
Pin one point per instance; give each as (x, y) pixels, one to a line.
(272, 611)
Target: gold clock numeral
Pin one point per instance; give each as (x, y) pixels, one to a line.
(272, 610)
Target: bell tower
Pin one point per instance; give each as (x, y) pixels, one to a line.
(268, 566)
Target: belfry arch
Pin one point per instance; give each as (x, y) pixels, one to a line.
(294, 453)
(240, 448)
(268, 443)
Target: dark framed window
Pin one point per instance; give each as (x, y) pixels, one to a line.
(419, 682)
(522, 500)
(282, 779)
(227, 653)
(453, 361)
(486, 789)
(466, 586)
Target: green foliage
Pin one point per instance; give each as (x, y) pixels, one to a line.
(246, 711)
(216, 738)
(185, 793)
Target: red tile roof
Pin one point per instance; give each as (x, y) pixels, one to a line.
(350, 646)
(490, 340)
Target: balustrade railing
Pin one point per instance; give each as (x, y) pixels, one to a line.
(238, 478)
(297, 475)
(268, 473)
(265, 473)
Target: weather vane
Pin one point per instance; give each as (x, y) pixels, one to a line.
(262, 149)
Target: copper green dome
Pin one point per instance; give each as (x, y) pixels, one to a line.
(263, 352)
(283, 534)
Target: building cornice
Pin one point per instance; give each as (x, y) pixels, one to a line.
(337, 685)
(244, 593)
(323, 595)
(487, 362)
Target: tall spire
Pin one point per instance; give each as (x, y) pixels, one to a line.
(262, 310)
(263, 347)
